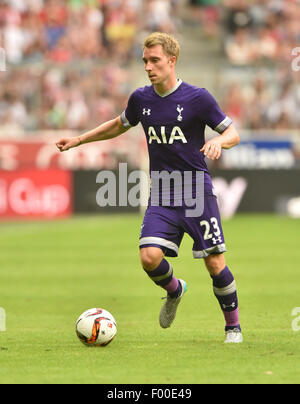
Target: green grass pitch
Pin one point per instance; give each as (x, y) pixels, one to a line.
(53, 271)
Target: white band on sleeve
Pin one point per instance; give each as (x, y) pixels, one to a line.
(125, 121)
(223, 125)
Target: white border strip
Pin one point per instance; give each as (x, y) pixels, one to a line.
(159, 241)
(205, 253)
(223, 125)
(179, 82)
(125, 121)
(228, 290)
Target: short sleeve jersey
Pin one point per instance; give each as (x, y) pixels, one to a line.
(174, 125)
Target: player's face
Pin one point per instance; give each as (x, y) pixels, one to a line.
(158, 65)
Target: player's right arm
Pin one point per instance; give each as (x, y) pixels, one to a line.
(107, 130)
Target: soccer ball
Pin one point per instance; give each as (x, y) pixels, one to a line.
(96, 327)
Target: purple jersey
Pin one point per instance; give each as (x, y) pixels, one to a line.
(174, 125)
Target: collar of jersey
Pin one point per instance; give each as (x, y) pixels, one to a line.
(179, 82)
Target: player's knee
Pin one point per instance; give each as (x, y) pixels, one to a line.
(151, 257)
(215, 263)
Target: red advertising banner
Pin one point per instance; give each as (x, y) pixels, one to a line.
(36, 194)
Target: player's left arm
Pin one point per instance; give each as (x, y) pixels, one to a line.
(228, 139)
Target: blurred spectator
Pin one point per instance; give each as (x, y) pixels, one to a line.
(158, 14)
(241, 49)
(233, 103)
(121, 22)
(256, 100)
(284, 111)
(54, 17)
(238, 15)
(207, 13)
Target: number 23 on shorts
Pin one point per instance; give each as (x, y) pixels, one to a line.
(211, 230)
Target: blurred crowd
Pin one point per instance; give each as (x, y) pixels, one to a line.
(263, 100)
(252, 31)
(258, 38)
(67, 60)
(262, 34)
(69, 30)
(264, 30)
(56, 98)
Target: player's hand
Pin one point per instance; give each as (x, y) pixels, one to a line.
(68, 143)
(212, 149)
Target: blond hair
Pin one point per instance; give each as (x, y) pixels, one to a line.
(169, 44)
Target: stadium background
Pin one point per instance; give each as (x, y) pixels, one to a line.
(71, 65)
(67, 66)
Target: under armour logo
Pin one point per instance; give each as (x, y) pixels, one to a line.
(179, 110)
(142, 226)
(147, 111)
(217, 240)
(230, 305)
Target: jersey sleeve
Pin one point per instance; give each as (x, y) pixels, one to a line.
(130, 116)
(212, 115)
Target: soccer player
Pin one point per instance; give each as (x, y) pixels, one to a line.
(174, 115)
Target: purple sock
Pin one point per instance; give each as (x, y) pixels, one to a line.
(163, 276)
(225, 291)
